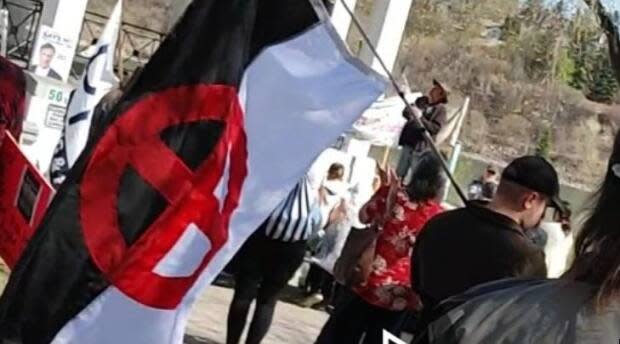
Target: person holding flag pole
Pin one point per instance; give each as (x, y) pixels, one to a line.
(409, 108)
(98, 80)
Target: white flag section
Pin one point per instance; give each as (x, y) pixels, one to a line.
(452, 128)
(298, 97)
(97, 81)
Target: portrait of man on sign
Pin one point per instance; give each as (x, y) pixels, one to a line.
(44, 66)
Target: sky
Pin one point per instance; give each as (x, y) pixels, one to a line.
(613, 6)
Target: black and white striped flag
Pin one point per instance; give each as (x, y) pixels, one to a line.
(97, 81)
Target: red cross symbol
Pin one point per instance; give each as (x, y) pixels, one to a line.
(134, 140)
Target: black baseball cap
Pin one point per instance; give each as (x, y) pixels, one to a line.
(536, 174)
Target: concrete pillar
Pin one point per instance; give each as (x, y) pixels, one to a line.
(4, 30)
(341, 18)
(387, 26)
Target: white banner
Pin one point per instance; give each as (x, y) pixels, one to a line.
(44, 120)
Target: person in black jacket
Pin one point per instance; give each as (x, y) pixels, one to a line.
(582, 306)
(432, 114)
(478, 244)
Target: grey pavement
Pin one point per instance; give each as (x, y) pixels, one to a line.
(292, 324)
(207, 323)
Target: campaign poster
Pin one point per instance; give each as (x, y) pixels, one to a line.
(53, 54)
(24, 198)
(44, 122)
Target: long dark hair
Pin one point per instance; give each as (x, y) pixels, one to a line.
(597, 260)
(427, 181)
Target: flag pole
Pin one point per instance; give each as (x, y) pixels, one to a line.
(401, 95)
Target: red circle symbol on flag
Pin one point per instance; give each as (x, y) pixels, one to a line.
(134, 141)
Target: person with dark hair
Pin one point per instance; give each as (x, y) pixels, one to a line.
(47, 52)
(484, 188)
(383, 300)
(432, 113)
(583, 306)
(12, 98)
(478, 244)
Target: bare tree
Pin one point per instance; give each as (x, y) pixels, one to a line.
(611, 30)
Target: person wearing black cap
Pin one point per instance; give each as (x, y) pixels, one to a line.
(477, 244)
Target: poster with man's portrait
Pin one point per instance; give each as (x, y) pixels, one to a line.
(53, 55)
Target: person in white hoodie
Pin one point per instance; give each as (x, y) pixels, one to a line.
(334, 197)
(333, 190)
(559, 242)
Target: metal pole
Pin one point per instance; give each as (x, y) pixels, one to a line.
(4, 30)
(454, 161)
(386, 157)
(401, 94)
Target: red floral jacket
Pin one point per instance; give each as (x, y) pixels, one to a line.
(389, 284)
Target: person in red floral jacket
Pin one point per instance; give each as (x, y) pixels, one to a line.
(382, 302)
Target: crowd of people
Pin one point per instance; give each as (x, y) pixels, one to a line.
(500, 269)
(468, 275)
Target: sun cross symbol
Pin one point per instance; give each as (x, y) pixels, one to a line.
(153, 268)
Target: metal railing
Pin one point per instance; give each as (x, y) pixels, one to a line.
(135, 47)
(23, 21)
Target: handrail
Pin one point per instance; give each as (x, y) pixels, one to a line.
(135, 47)
(22, 27)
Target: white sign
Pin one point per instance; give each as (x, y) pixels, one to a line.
(45, 113)
(389, 338)
(53, 54)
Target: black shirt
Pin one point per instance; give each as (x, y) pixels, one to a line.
(433, 118)
(467, 247)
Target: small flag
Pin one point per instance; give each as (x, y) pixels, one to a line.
(97, 81)
(223, 121)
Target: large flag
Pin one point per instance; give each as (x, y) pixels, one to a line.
(97, 81)
(222, 122)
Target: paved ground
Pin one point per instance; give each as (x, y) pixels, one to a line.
(292, 324)
(207, 324)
